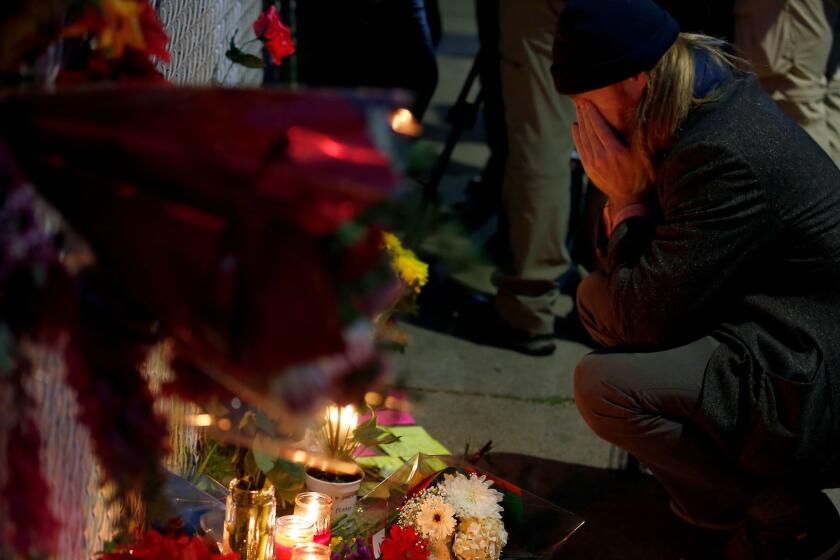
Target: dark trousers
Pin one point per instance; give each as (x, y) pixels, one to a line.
(648, 404)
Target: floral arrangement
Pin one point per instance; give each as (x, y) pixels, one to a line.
(256, 299)
(155, 546)
(461, 516)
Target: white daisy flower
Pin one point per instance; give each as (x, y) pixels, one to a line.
(436, 519)
(472, 497)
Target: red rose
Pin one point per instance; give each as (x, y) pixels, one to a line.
(277, 37)
(402, 543)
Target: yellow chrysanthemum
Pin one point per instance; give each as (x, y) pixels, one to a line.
(413, 272)
(392, 243)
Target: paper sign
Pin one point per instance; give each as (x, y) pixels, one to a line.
(376, 541)
(386, 465)
(413, 440)
(390, 418)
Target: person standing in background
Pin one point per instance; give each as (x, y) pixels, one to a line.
(791, 46)
(535, 187)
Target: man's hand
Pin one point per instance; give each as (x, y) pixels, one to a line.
(606, 159)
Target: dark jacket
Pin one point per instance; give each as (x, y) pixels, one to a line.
(744, 244)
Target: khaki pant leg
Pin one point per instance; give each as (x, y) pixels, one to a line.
(788, 43)
(832, 107)
(535, 189)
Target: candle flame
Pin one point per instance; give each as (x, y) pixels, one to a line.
(403, 122)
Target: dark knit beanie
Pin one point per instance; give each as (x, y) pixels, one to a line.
(602, 42)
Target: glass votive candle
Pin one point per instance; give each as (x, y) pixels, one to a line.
(291, 530)
(311, 551)
(317, 508)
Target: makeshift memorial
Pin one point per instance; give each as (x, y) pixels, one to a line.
(223, 337)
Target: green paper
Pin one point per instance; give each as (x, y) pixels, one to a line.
(385, 463)
(413, 440)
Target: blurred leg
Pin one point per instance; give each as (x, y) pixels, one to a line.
(535, 189)
(788, 44)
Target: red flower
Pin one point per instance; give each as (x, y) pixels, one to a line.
(277, 37)
(154, 34)
(154, 546)
(402, 543)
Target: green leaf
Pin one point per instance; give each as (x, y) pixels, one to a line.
(294, 469)
(235, 55)
(264, 461)
(370, 434)
(287, 482)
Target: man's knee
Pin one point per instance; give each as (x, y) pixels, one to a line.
(600, 397)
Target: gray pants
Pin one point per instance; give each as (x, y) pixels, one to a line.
(648, 404)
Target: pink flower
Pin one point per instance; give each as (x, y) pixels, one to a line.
(277, 37)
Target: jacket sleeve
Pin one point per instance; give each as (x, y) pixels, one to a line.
(667, 278)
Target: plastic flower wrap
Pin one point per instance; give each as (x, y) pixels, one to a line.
(450, 510)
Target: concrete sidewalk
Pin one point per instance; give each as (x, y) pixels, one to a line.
(464, 393)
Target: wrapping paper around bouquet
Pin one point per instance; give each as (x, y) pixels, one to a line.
(208, 207)
(536, 528)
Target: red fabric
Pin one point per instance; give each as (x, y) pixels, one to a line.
(209, 207)
(154, 546)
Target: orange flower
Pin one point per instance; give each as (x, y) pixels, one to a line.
(122, 24)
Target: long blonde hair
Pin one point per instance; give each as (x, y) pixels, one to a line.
(670, 96)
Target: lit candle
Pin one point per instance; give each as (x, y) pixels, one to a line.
(311, 551)
(403, 122)
(316, 508)
(291, 530)
(339, 427)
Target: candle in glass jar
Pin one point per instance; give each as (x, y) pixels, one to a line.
(291, 530)
(311, 551)
(317, 508)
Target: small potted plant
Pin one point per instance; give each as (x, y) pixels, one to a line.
(340, 436)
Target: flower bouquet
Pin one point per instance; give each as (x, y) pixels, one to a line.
(441, 508)
(460, 516)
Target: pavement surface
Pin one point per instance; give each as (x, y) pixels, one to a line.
(468, 394)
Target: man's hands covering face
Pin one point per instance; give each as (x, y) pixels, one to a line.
(606, 159)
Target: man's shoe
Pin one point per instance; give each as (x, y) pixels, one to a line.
(480, 323)
(818, 539)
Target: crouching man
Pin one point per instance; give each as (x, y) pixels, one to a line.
(719, 297)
